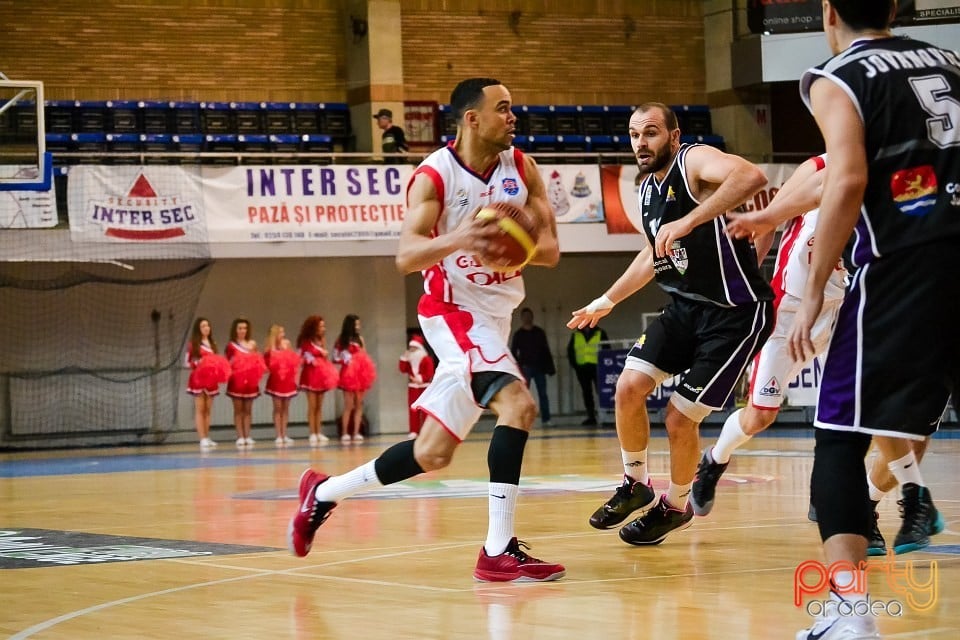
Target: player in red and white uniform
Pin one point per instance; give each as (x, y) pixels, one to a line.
(773, 367)
(465, 316)
(418, 366)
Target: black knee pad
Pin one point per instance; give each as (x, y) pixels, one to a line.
(838, 485)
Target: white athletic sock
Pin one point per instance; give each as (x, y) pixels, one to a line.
(875, 494)
(502, 505)
(635, 465)
(906, 470)
(336, 488)
(731, 437)
(845, 579)
(677, 494)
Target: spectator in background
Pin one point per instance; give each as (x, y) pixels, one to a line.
(318, 375)
(582, 350)
(393, 139)
(247, 367)
(529, 347)
(204, 381)
(282, 363)
(419, 367)
(357, 374)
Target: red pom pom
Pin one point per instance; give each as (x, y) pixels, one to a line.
(359, 374)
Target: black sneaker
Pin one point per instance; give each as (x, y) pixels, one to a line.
(630, 496)
(705, 484)
(876, 545)
(653, 527)
(920, 519)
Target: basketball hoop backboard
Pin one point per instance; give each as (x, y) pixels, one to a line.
(24, 163)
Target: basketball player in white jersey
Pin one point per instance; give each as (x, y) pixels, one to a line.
(773, 366)
(465, 315)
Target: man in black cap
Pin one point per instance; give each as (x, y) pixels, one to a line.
(394, 140)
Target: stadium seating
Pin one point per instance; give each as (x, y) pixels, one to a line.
(152, 126)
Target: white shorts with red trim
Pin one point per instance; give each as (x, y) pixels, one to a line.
(465, 342)
(772, 367)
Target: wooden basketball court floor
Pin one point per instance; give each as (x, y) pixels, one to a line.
(166, 542)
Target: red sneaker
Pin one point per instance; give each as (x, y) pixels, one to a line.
(514, 565)
(310, 514)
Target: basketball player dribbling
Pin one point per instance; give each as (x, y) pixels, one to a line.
(465, 316)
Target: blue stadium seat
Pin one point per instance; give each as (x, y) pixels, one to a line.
(89, 142)
(317, 143)
(123, 143)
(247, 117)
(91, 116)
(305, 117)
(157, 143)
(58, 143)
(216, 118)
(694, 119)
(221, 143)
(185, 118)
(616, 119)
(277, 117)
(285, 143)
(155, 116)
(254, 143)
(566, 120)
(333, 119)
(59, 116)
(535, 120)
(123, 116)
(591, 120)
(188, 143)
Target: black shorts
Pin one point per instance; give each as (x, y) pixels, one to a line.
(712, 345)
(894, 358)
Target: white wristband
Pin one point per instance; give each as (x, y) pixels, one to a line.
(600, 304)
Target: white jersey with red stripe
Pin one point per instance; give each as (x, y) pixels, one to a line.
(459, 278)
(794, 254)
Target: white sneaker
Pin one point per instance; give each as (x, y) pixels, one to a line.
(241, 443)
(345, 438)
(207, 443)
(358, 437)
(279, 442)
(322, 438)
(288, 441)
(313, 440)
(249, 441)
(841, 628)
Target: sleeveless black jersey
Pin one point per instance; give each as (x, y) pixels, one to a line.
(908, 96)
(707, 264)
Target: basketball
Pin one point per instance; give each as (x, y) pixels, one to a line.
(516, 243)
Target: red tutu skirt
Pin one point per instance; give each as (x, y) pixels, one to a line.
(247, 368)
(283, 365)
(359, 374)
(320, 376)
(206, 378)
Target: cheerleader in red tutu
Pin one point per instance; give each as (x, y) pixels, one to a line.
(247, 367)
(208, 371)
(282, 362)
(318, 375)
(357, 374)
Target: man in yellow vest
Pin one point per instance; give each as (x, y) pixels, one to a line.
(582, 351)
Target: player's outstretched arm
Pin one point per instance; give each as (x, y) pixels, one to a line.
(637, 275)
(548, 248)
(798, 195)
(721, 181)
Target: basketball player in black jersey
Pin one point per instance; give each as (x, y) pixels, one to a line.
(889, 111)
(719, 317)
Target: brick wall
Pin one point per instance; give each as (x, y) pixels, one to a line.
(546, 51)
